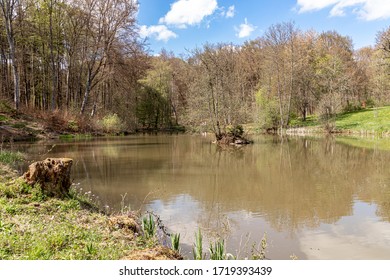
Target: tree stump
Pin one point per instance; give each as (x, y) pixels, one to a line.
(53, 175)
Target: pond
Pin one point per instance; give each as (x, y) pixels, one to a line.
(313, 198)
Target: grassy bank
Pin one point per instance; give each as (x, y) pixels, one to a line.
(369, 121)
(34, 226)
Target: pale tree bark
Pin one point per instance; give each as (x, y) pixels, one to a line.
(106, 19)
(7, 9)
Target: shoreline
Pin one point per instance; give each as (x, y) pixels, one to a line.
(35, 226)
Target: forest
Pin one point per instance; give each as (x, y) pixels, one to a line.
(85, 62)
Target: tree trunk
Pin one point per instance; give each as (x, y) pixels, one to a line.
(7, 8)
(86, 94)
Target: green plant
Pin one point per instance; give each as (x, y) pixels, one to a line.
(36, 192)
(217, 250)
(112, 123)
(73, 125)
(90, 248)
(149, 226)
(175, 240)
(198, 246)
(268, 114)
(236, 131)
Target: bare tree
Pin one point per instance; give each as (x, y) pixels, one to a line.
(104, 22)
(8, 9)
(280, 43)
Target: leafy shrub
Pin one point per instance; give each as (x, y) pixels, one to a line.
(73, 125)
(112, 123)
(236, 131)
(370, 103)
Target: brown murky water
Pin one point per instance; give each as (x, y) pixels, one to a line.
(314, 198)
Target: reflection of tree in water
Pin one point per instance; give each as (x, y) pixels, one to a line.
(292, 183)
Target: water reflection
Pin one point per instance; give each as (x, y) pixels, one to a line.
(300, 191)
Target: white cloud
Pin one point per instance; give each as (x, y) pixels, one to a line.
(365, 9)
(159, 32)
(189, 12)
(245, 29)
(314, 5)
(230, 12)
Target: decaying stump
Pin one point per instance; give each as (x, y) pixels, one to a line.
(53, 174)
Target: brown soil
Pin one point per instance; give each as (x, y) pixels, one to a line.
(156, 253)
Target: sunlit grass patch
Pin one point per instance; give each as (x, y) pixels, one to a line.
(34, 226)
(311, 120)
(371, 120)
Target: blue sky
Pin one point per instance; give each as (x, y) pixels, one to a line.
(181, 25)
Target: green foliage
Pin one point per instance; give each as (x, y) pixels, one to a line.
(149, 226)
(310, 121)
(236, 131)
(73, 125)
(370, 103)
(175, 241)
(9, 157)
(3, 118)
(268, 112)
(112, 123)
(352, 108)
(198, 246)
(153, 110)
(9, 190)
(217, 250)
(36, 192)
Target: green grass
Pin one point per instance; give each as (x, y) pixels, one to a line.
(375, 120)
(371, 121)
(3, 118)
(36, 227)
(311, 121)
(9, 157)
